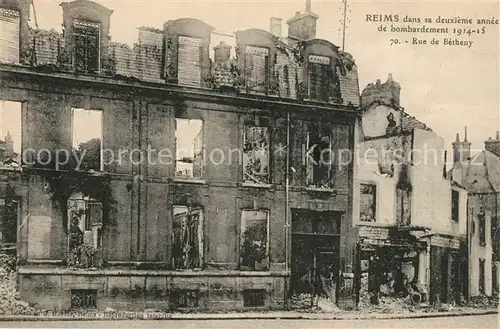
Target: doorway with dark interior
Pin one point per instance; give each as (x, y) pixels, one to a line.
(315, 253)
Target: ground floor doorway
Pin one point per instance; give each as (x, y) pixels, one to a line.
(315, 253)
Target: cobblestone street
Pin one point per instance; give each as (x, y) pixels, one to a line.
(466, 322)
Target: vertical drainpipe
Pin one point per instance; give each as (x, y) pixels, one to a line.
(287, 212)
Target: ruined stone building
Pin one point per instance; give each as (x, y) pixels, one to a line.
(233, 220)
(479, 173)
(411, 220)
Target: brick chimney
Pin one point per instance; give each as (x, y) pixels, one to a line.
(466, 147)
(303, 26)
(222, 52)
(457, 150)
(387, 92)
(493, 145)
(275, 27)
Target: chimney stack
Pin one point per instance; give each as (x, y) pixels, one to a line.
(457, 151)
(466, 147)
(387, 92)
(493, 145)
(303, 26)
(275, 28)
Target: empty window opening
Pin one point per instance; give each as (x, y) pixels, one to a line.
(187, 237)
(254, 298)
(87, 138)
(87, 38)
(495, 238)
(254, 240)
(482, 227)
(9, 213)
(481, 276)
(185, 298)
(320, 158)
(455, 201)
(189, 148)
(368, 202)
(403, 207)
(256, 68)
(9, 42)
(84, 227)
(10, 133)
(189, 70)
(256, 155)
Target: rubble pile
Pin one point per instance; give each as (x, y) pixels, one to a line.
(301, 301)
(10, 301)
(326, 305)
(483, 302)
(364, 295)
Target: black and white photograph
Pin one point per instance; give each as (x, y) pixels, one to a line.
(249, 163)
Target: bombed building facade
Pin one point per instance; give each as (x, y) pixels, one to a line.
(479, 173)
(411, 219)
(233, 220)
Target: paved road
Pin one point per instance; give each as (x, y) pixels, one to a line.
(465, 322)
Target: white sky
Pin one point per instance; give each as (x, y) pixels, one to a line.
(87, 124)
(10, 122)
(446, 87)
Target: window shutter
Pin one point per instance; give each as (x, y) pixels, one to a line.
(189, 70)
(9, 36)
(256, 68)
(86, 36)
(94, 214)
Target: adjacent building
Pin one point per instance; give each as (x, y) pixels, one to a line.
(155, 176)
(479, 173)
(411, 220)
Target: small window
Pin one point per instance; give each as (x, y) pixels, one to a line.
(368, 202)
(481, 276)
(83, 299)
(320, 158)
(189, 148)
(256, 155)
(455, 204)
(254, 240)
(187, 237)
(185, 298)
(9, 42)
(254, 298)
(256, 68)
(87, 46)
(10, 134)
(482, 228)
(403, 207)
(189, 70)
(87, 138)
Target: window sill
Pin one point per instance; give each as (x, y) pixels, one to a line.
(11, 169)
(189, 180)
(320, 189)
(245, 184)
